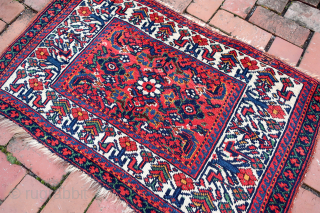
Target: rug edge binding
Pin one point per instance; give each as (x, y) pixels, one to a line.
(100, 192)
(307, 169)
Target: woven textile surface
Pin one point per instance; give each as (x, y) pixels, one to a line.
(166, 114)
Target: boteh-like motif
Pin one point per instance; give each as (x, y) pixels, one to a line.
(169, 116)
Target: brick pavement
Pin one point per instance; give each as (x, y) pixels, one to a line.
(286, 29)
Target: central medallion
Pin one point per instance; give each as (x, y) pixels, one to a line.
(161, 97)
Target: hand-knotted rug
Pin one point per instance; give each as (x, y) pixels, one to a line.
(166, 114)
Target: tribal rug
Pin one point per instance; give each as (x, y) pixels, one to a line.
(166, 114)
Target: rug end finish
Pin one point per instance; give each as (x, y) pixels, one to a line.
(100, 192)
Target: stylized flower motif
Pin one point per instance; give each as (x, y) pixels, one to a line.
(74, 19)
(128, 144)
(272, 124)
(35, 84)
(109, 79)
(137, 201)
(129, 75)
(169, 98)
(276, 111)
(200, 41)
(81, 160)
(246, 177)
(156, 18)
(3, 106)
(183, 182)
(123, 191)
(107, 177)
(33, 62)
(42, 53)
(14, 114)
(164, 132)
(124, 58)
(175, 117)
(66, 151)
(93, 169)
(53, 142)
(184, 33)
(79, 114)
(189, 109)
(251, 65)
(197, 80)
(84, 11)
(147, 156)
(287, 82)
(191, 93)
(111, 66)
(149, 87)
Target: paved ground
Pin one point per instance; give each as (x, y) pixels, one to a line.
(29, 182)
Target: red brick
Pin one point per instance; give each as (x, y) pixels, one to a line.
(312, 2)
(306, 201)
(37, 4)
(313, 174)
(2, 25)
(29, 196)
(37, 162)
(285, 50)
(282, 27)
(304, 15)
(311, 58)
(10, 176)
(5, 135)
(105, 205)
(9, 10)
(240, 29)
(73, 196)
(204, 9)
(276, 5)
(238, 7)
(177, 5)
(15, 29)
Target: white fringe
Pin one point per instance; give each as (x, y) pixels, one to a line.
(101, 192)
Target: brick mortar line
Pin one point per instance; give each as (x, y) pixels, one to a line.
(272, 10)
(248, 22)
(85, 211)
(32, 174)
(26, 8)
(307, 3)
(254, 7)
(286, 8)
(305, 47)
(53, 192)
(219, 8)
(30, 8)
(206, 22)
(275, 34)
(185, 9)
(14, 188)
(270, 42)
(45, 203)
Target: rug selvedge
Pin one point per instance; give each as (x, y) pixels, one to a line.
(256, 162)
